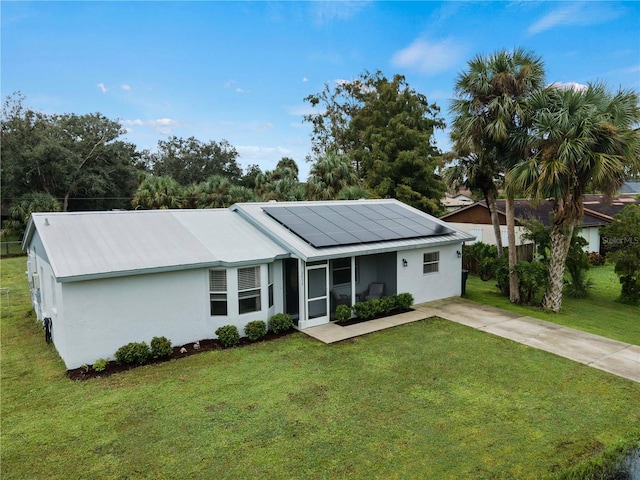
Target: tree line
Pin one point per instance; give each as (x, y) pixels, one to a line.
(383, 148)
(372, 137)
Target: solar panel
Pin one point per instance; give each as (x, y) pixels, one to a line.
(333, 225)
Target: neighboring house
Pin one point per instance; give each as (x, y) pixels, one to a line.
(630, 186)
(105, 279)
(598, 211)
(455, 201)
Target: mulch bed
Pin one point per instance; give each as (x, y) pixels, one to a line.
(356, 320)
(87, 372)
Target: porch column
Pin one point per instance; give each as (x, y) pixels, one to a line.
(353, 281)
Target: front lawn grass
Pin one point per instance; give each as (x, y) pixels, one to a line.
(600, 313)
(431, 399)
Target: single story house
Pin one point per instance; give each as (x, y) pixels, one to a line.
(104, 279)
(475, 219)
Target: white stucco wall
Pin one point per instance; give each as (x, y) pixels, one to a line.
(103, 315)
(487, 235)
(431, 286)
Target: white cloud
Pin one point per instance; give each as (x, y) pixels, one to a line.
(125, 87)
(326, 12)
(569, 85)
(102, 88)
(305, 79)
(579, 13)
(429, 57)
(229, 83)
(160, 125)
(239, 90)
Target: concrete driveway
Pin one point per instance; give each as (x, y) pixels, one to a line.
(612, 356)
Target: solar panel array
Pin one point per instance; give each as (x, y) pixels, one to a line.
(335, 225)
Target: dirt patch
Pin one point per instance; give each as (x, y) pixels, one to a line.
(182, 351)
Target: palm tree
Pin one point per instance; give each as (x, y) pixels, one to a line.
(329, 175)
(490, 110)
(582, 139)
(158, 193)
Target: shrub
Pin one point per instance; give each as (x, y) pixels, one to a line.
(134, 353)
(255, 330)
(387, 304)
(100, 365)
(161, 347)
(343, 313)
(532, 276)
(280, 322)
(404, 301)
(362, 310)
(228, 335)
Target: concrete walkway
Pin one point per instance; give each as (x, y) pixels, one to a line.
(612, 356)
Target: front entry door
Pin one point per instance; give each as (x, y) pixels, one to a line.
(317, 295)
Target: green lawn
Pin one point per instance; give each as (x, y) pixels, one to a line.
(432, 399)
(600, 313)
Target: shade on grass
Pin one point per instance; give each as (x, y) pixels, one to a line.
(432, 399)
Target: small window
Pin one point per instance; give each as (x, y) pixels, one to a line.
(430, 262)
(249, 290)
(218, 292)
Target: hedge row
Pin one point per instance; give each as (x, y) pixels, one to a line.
(376, 307)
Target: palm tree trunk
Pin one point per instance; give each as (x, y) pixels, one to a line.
(514, 292)
(490, 198)
(560, 242)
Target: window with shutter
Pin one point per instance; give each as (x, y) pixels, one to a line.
(249, 289)
(218, 292)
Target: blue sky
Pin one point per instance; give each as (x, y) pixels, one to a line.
(240, 70)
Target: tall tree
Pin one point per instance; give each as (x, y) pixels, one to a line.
(190, 161)
(280, 184)
(490, 110)
(582, 139)
(387, 129)
(71, 157)
(329, 175)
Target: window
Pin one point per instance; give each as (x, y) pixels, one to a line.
(430, 262)
(341, 271)
(249, 289)
(270, 275)
(218, 291)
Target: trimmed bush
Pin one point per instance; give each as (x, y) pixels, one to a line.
(134, 353)
(404, 301)
(255, 330)
(387, 304)
(100, 365)
(280, 322)
(228, 335)
(343, 313)
(161, 347)
(364, 310)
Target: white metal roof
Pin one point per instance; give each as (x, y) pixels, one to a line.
(255, 214)
(86, 245)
